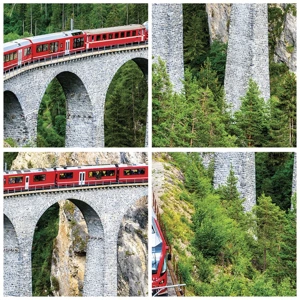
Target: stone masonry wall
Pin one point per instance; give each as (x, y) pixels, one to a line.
(167, 39)
(243, 164)
(103, 210)
(248, 55)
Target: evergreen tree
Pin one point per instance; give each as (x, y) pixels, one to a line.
(126, 108)
(251, 123)
(269, 219)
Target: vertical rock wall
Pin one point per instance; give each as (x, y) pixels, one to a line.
(248, 54)
(167, 39)
(218, 17)
(243, 164)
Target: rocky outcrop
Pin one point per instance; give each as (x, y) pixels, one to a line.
(218, 15)
(286, 47)
(132, 251)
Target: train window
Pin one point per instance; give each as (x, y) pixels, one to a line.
(117, 35)
(39, 48)
(77, 43)
(128, 33)
(92, 38)
(45, 47)
(98, 37)
(134, 33)
(15, 179)
(27, 51)
(66, 175)
(41, 177)
(122, 34)
(104, 36)
(54, 47)
(110, 36)
(134, 172)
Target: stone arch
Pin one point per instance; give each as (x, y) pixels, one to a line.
(80, 119)
(11, 260)
(132, 250)
(94, 271)
(14, 119)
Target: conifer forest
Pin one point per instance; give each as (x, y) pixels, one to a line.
(199, 116)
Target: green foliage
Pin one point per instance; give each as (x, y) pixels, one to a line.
(251, 119)
(42, 248)
(274, 173)
(126, 108)
(9, 158)
(232, 253)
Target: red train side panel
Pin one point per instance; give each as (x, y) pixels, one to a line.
(133, 173)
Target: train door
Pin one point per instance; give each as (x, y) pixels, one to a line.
(20, 57)
(26, 182)
(81, 178)
(67, 49)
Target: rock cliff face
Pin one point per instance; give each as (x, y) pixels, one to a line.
(286, 47)
(218, 15)
(68, 258)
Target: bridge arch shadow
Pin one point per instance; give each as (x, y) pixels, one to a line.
(126, 103)
(70, 119)
(82, 244)
(14, 120)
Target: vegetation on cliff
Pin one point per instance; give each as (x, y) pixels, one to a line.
(222, 250)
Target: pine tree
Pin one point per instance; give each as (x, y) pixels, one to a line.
(269, 219)
(251, 120)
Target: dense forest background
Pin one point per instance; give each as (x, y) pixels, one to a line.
(127, 97)
(222, 250)
(199, 116)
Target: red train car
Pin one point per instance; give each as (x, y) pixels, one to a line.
(112, 36)
(159, 259)
(86, 175)
(16, 53)
(133, 173)
(57, 44)
(19, 52)
(45, 178)
(24, 180)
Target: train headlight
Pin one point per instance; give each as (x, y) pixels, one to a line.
(162, 281)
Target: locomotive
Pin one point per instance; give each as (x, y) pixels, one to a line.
(62, 177)
(53, 45)
(159, 259)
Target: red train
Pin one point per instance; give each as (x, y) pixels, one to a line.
(47, 178)
(159, 259)
(31, 49)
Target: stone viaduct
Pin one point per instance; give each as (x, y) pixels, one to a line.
(85, 79)
(103, 209)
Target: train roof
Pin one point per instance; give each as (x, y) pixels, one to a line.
(64, 168)
(54, 36)
(114, 29)
(15, 44)
(25, 171)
